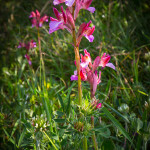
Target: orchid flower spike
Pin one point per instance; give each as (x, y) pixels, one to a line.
(88, 71)
(64, 20)
(37, 20)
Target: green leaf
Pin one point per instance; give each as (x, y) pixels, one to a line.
(68, 106)
(50, 140)
(119, 114)
(116, 123)
(9, 138)
(139, 124)
(15, 127)
(21, 137)
(61, 101)
(68, 98)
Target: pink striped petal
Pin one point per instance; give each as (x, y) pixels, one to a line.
(91, 9)
(56, 2)
(74, 77)
(90, 38)
(54, 26)
(111, 66)
(69, 2)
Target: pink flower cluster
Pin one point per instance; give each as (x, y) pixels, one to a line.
(27, 46)
(88, 71)
(79, 4)
(65, 20)
(37, 21)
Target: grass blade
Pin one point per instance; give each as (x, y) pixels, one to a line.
(61, 101)
(21, 138)
(116, 123)
(119, 114)
(50, 140)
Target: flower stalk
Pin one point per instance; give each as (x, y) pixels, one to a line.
(77, 59)
(85, 147)
(93, 136)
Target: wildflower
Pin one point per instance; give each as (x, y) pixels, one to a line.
(30, 45)
(87, 31)
(67, 2)
(37, 20)
(64, 20)
(21, 45)
(82, 75)
(104, 61)
(83, 4)
(27, 46)
(28, 59)
(94, 80)
(86, 59)
(88, 72)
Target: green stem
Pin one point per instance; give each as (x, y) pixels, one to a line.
(85, 147)
(93, 136)
(41, 59)
(77, 58)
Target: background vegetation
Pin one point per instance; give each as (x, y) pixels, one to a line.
(122, 30)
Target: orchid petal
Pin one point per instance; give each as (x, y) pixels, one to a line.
(84, 64)
(110, 65)
(69, 2)
(74, 77)
(56, 2)
(54, 25)
(94, 84)
(91, 9)
(90, 38)
(96, 63)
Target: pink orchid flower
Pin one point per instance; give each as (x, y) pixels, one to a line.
(21, 45)
(104, 61)
(82, 75)
(28, 45)
(87, 31)
(88, 71)
(93, 80)
(37, 20)
(67, 2)
(64, 20)
(28, 59)
(83, 4)
(86, 59)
